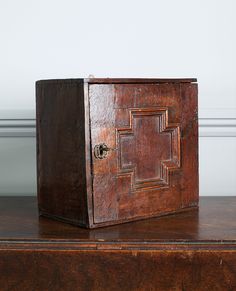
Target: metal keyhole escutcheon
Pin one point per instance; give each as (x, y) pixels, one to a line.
(101, 150)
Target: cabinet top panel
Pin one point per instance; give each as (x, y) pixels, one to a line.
(121, 80)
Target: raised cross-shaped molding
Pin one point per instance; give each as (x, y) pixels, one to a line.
(149, 148)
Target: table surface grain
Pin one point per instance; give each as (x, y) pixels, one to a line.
(214, 223)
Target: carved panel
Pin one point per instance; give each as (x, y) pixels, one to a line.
(149, 148)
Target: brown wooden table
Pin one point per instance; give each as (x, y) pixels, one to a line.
(194, 250)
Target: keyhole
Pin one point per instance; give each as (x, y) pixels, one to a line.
(100, 151)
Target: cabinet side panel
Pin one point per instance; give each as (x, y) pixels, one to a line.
(60, 151)
(189, 145)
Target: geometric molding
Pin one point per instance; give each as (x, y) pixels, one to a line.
(149, 148)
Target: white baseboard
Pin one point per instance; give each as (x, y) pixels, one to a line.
(213, 122)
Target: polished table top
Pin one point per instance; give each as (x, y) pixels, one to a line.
(213, 224)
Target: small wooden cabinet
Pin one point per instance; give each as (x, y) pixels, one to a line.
(115, 150)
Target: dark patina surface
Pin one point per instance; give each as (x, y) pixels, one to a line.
(115, 150)
(194, 250)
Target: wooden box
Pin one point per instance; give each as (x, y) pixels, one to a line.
(115, 150)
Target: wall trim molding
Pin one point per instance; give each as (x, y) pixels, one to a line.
(217, 122)
(213, 122)
(218, 127)
(17, 128)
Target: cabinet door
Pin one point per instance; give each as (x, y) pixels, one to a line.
(144, 149)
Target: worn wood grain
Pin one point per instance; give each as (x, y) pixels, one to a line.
(188, 251)
(116, 150)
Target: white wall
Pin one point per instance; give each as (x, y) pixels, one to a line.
(126, 38)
